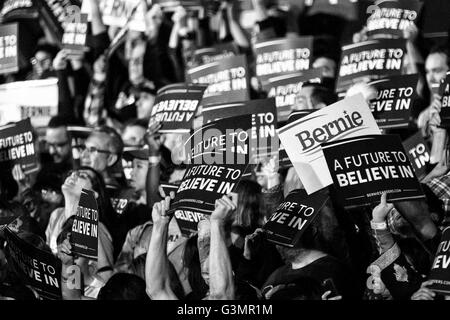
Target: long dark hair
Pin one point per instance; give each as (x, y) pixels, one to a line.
(249, 209)
(191, 262)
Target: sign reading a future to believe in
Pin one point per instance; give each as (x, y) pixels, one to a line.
(9, 58)
(364, 167)
(440, 271)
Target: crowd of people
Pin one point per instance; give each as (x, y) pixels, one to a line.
(382, 252)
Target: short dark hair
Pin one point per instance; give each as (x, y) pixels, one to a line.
(57, 121)
(116, 142)
(439, 49)
(321, 94)
(124, 286)
(47, 47)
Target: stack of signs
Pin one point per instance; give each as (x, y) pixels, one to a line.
(84, 237)
(74, 38)
(395, 97)
(444, 92)
(227, 80)
(440, 271)
(78, 136)
(264, 140)
(392, 17)
(365, 167)
(370, 59)
(280, 56)
(218, 156)
(293, 216)
(302, 138)
(17, 147)
(39, 269)
(285, 89)
(418, 153)
(9, 58)
(176, 105)
(213, 54)
(34, 99)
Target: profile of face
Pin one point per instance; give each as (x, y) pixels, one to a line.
(144, 105)
(436, 67)
(139, 174)
(133, 135)
(41, 62)
(75, 181)
(96, 154)
(328, 65)
(303, 98)
(58, 144)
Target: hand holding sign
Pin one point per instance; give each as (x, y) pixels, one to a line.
(424, 293)
(223, 209)
(160, 214)
(380, 212)
(65, 252)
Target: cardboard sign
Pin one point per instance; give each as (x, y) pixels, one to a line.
(280, 56)
(34, 99)
(396, 95)
(285, 89)
(418, 153)
(364, 167)
(440, 271)
(176, 105)
(302, 138)
(39, 269)
(9, 58)
(213, 54)
(444, 91)
(84, 237)
(218, 155)
(370, 59)
(264, 139)
(227, 80)
(293, 216)
(392, 17)
(74, 38)
(17, 147)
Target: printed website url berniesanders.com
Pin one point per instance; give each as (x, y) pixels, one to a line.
(226, 309)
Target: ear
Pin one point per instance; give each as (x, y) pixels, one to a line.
(112, 159)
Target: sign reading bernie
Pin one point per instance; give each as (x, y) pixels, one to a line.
(372, 59)
(392, 106)
(293, 216)
(176, 105)
(227, 80)
(392, 17)
(302, 138)
(9, 58)
(213, 54)
(365, 167)
(281, 56)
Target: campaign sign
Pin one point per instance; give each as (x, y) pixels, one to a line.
(166, 188)
(176, 105)
(84, 238)
(17, 146)
(9, 58)
(440, 271)
(302, 138)
(213, 54)
(280, 56)
(392, 17)
(74, 37)
(395, 96)
(39, 269)
(371, 59)
(227, 80)
(293, 216)
(264, 139)
(365, 167)
(285, 89)
(418, 153)
(444, 91)
(34, 99)
(218, 155)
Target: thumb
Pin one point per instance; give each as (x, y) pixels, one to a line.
(383, 199)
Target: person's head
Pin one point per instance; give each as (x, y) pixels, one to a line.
(133, 133)
(314, 96)
(369, 92)
(436, 65)
(328, 65)
(103, 148)
(57, 140)
(124, 286)
(249, 215)
(43, 58)
(139, 156)
(146, 99)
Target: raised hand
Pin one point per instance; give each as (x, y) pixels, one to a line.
(380, 212)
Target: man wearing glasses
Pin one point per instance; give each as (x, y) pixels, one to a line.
(42, 61)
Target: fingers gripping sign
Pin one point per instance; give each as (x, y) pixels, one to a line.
(380, 212)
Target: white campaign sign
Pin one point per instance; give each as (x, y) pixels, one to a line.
(37, 99)
(302, 139)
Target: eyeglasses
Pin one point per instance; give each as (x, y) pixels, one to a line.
(58, 145)
(93, 150)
